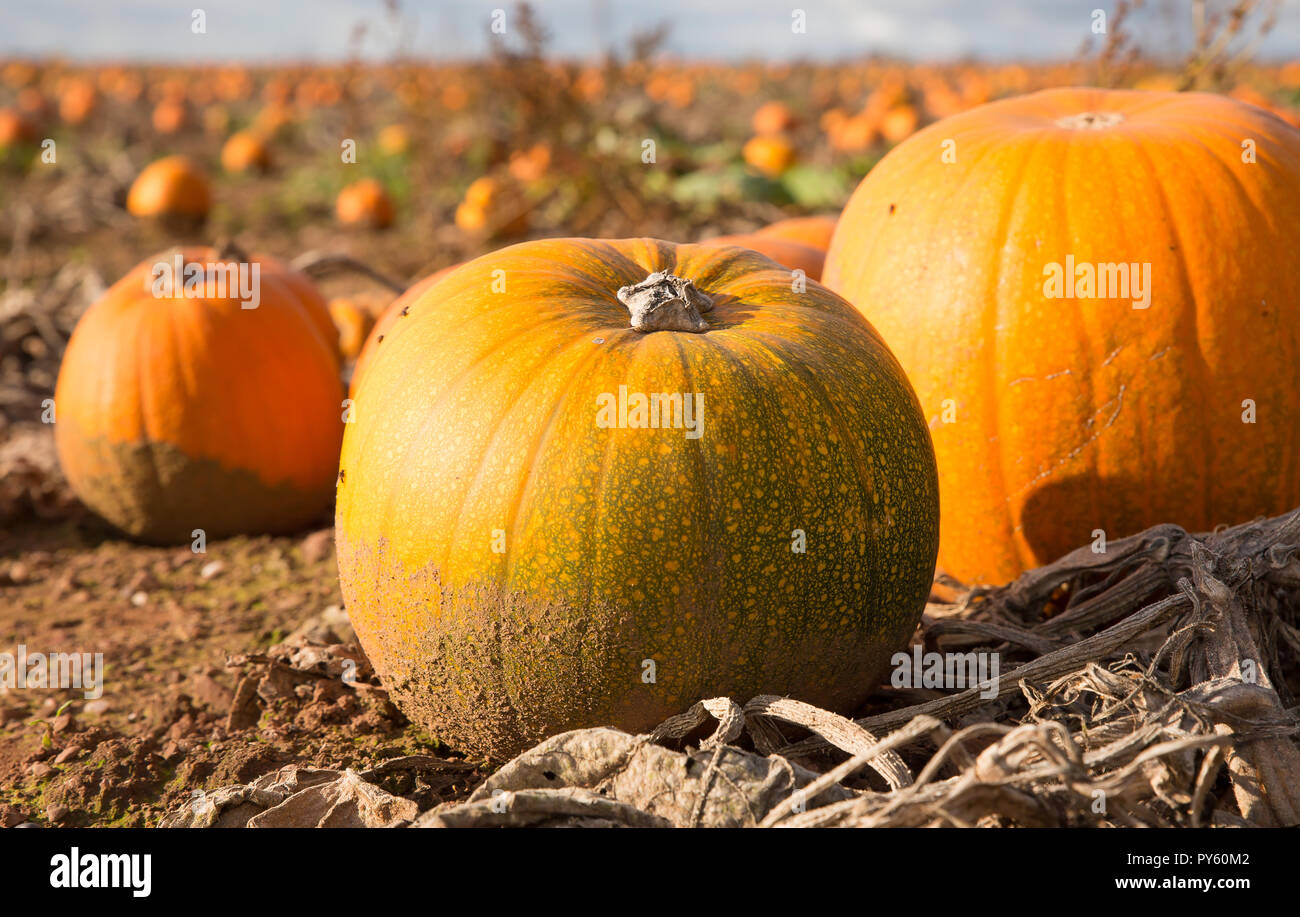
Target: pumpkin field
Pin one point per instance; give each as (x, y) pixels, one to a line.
(635, 439)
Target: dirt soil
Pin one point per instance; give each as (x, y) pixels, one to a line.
(199, 690)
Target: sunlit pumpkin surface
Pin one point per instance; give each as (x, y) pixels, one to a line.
(514, 569)
(1055, 418)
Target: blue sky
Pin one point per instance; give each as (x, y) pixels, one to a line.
(272, 29)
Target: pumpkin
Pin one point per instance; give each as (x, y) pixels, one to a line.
(353, 324)
(815, 231)
(394, 140)
(176, 413)
(77, 101)
(170, 116)
(493, 207)
(15, 129)
(530, 165)
(899, 123)
(384, 323)
(771, 155)
(170, 187)
(774, 118)
(1057, 410)
(514, 565)
(364, 202)
(245, 151)
(792, 254)
(855, 134)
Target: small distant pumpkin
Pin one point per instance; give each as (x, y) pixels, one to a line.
(364, 203)
(245, 151)
(530, 165)
(173, 186)
(170, 116)
(899, 123)
(772, 155)
(15, 129)
(853, 134)
(353, 323)
(773, 118)
(787, 252)
(77, 101)
(181, 409)
(493, 207)
(394, 140)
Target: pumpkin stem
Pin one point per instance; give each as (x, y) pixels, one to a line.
(1091, 120)
(666, 302)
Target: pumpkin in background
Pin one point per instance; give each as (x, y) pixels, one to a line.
(245, 151)
(353, 323)
(170, 187)
(899, 123)
(774, 118)
(493, 207)
(77, 101)
(364, 203)
(1057, 416)
(772, 155)
(170, 116)
(15, 129)
(382, 325)
(394, 140)
(181, 413)
(815, 231)
(510, 562)
(792, 254)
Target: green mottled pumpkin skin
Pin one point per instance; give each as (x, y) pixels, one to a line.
(514, 570)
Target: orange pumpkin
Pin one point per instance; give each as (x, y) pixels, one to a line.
(394, 140)
(530, 165)
(364, 203)
(511, 562)
(899, 123)
(77, 101)
(170, 116)
(353, 324)
(170, 187)
(245, 151)
(815, 231)
(381, 327)
(493, 207)
(15, 129)
(182, 409)
(1058, 408)
(774, 118)
(771, 155)
(792, 254)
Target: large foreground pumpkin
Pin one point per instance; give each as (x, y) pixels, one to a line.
(517, 561)
(1061, 405)
(177, 413)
